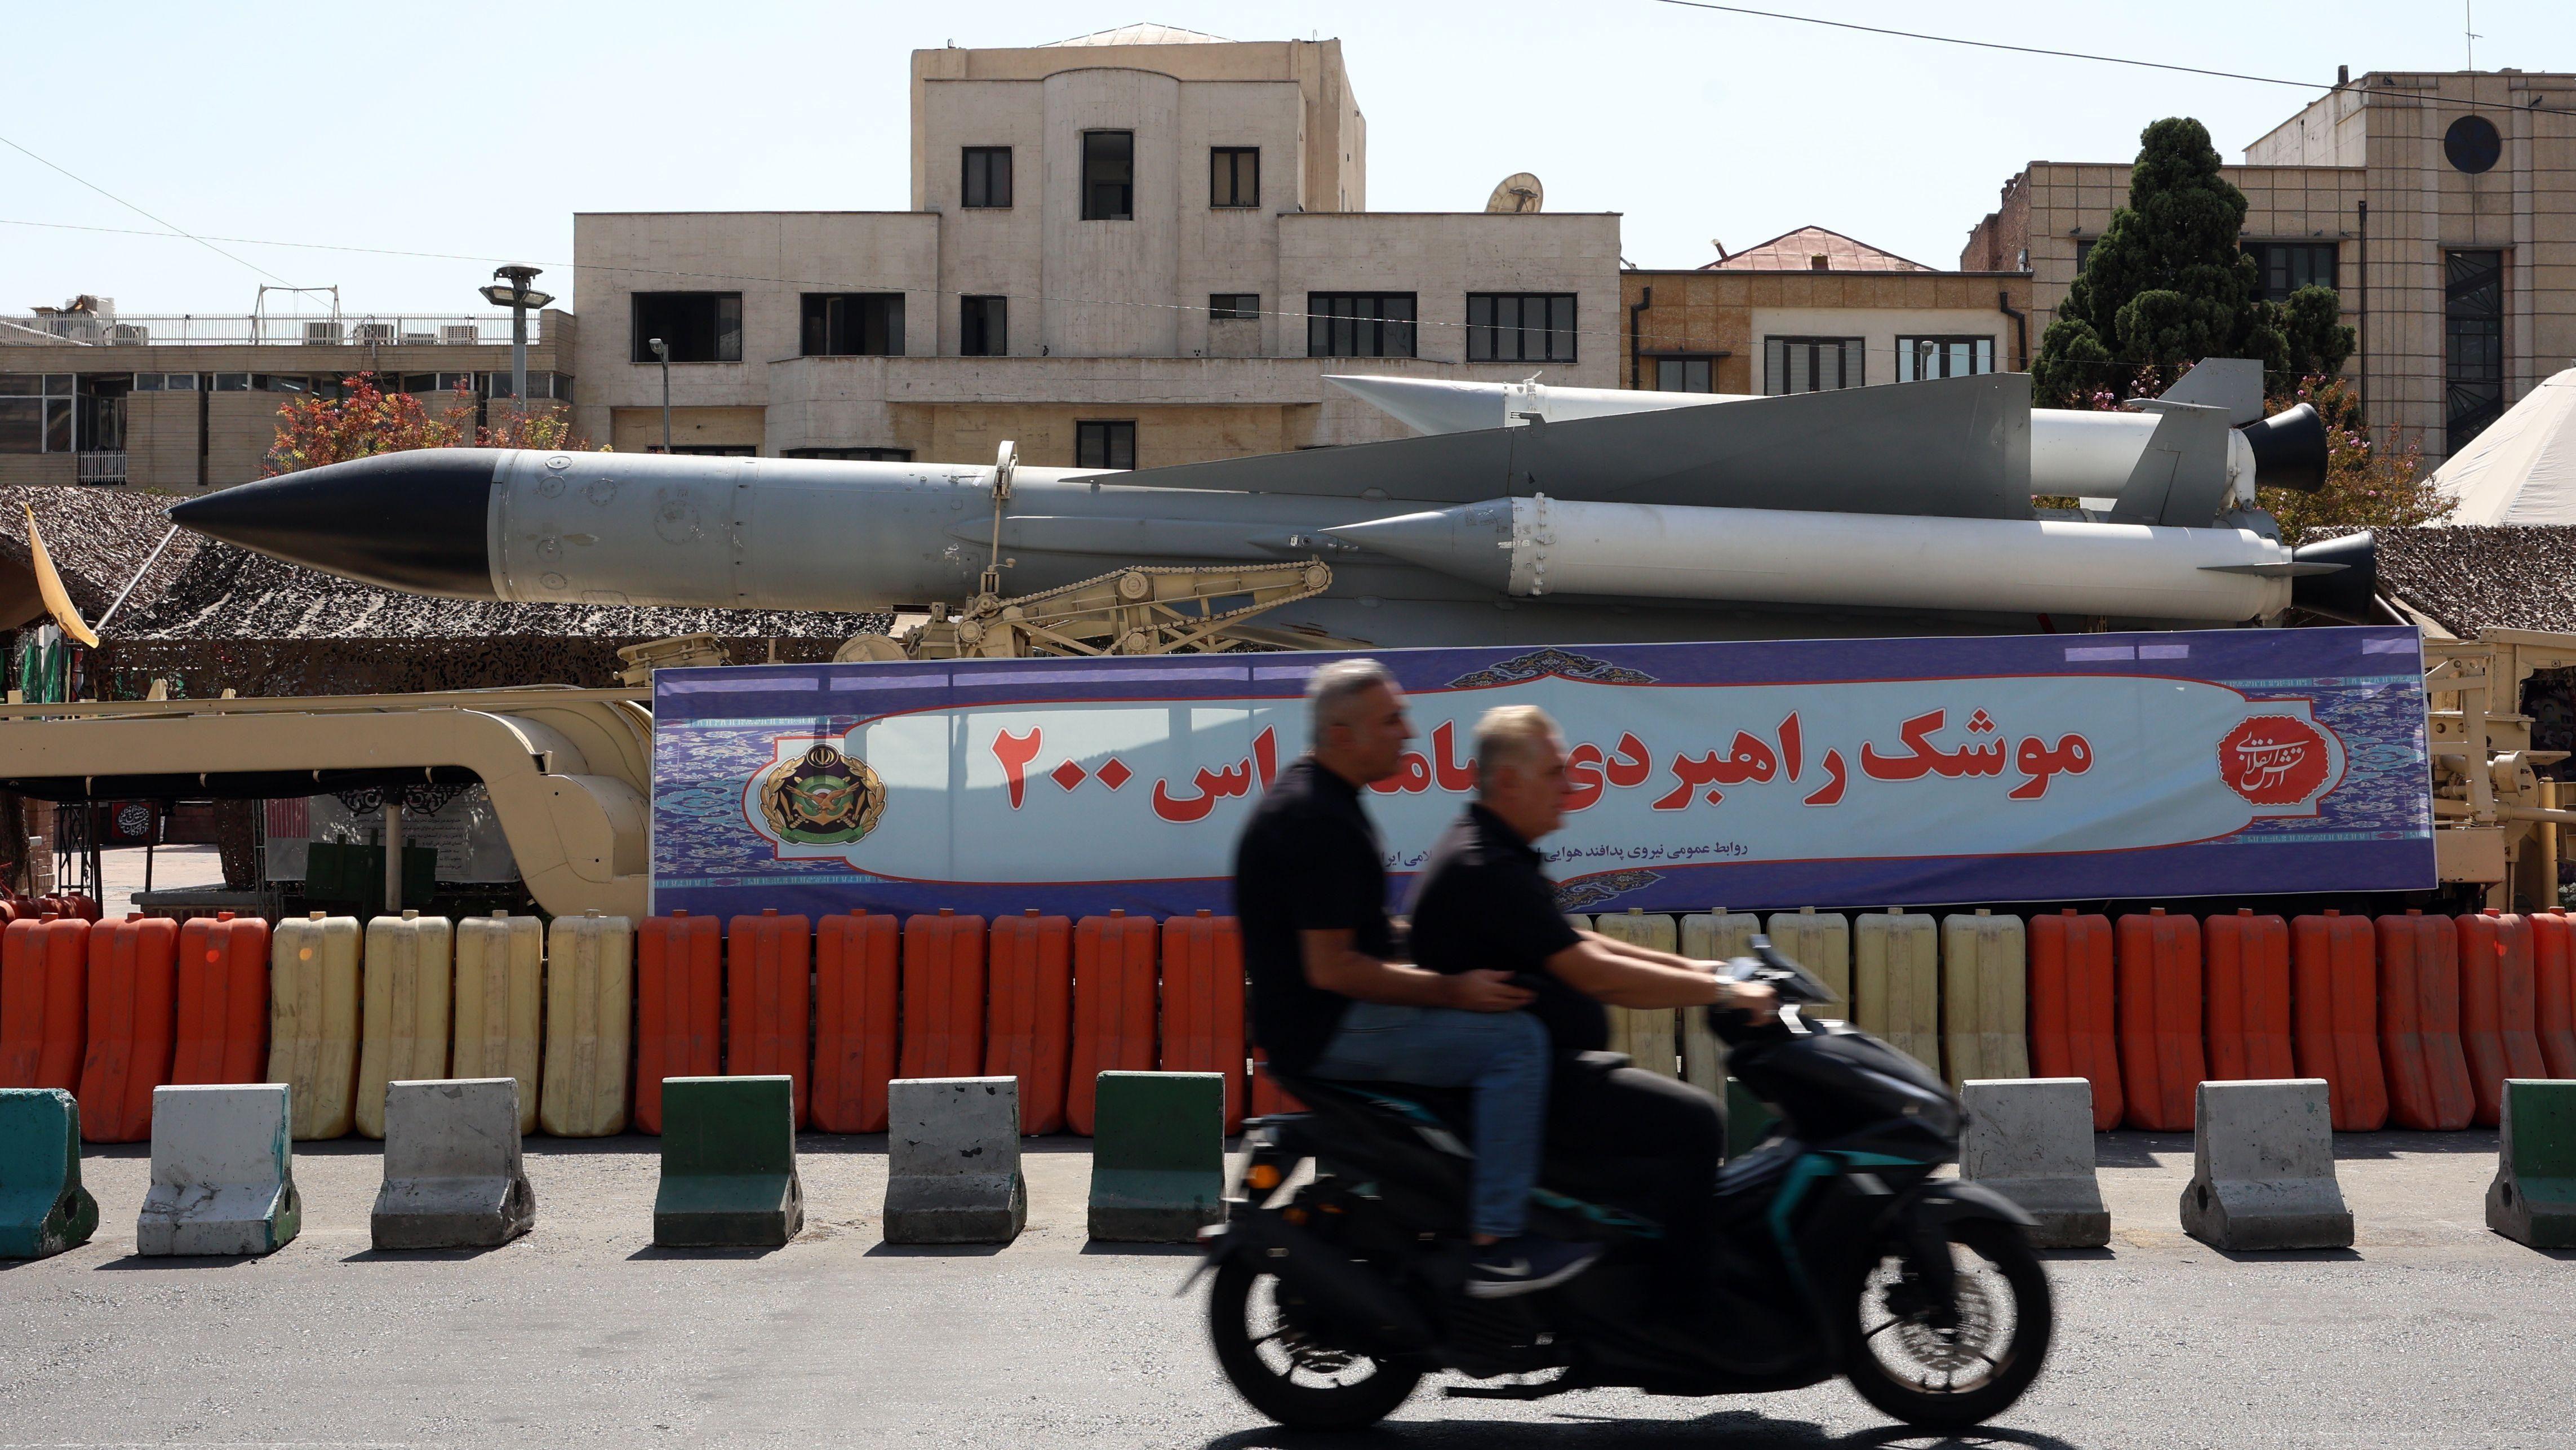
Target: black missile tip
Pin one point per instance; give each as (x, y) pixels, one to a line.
(413, 521)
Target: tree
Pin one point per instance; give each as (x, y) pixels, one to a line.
(367, 420)
(2369, 484)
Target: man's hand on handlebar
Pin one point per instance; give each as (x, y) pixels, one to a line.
(1488, 991)
(1756, 1000)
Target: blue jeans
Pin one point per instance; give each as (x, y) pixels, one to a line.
(1502, 1055)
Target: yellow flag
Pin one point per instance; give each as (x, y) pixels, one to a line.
(50, 585)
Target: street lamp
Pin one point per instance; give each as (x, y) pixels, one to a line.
(518, 296)
(662, 351)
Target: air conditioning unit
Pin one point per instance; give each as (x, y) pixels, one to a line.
(373, 332)
(324, 333)
(128, 334)
(462, 333)
(420, 339)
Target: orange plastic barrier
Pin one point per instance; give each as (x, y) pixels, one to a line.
(1113, 1006)
(44, 1002)
(2335, 976)
(2159, 982)
(2553, 974)
(222, 1034)
(769, 993)
(1268, 1097)
(1028, 1028)
(1203, 1003)
(2419, 1022)
(943, 995)
(2073, 1020)
(2499, 1008)
(2247, 981)
(679, 1006)
(131, 995)
(856, 962)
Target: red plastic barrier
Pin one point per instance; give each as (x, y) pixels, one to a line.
(1268, 1097)
(222, 1034)
(2419, 1023)
(2247, 982)
(44, 1002)
(857, 959)
(2553, 973)
(2159, 982)
(769, 994)
(1203, 1003)
(2336, 973)
(1113, 1006)
(2073, 1018)
(2499, 1010)
(132, 990)
(679, 1006)
(1029, 1025)
(943, 995)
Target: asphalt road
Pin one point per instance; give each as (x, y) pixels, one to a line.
(2432, 1332)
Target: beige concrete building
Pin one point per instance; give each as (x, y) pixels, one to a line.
(1136, 248)
(2442, 206)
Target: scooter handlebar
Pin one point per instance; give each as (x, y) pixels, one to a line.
(1765, 964)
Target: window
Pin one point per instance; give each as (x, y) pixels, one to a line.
(1234, 176)
(2286, 267)
(853, 324)
(1810, 364)
(237, 383)
(988, 176)
(1685, 375)
(36, 412)
(983, 326)
(1520, 327)
(2473, 343)
(1234, 306)
(852, 455)
(557, 386)
(1359, 324)
(1104, 445)
(1918, 358)
(698, 327)
(709, 450)
(2083, 254)
(1108, 176)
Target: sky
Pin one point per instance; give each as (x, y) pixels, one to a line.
(478, 130)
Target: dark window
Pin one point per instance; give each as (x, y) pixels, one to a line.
(1520, 327)
(852, 455)
(2083, 253)
(697, 326)
(2473, 342)
(1685, 375)
(36, 412)
(1918, 358)
(1234, 176)
(988, 176)
(983, 326)
(240, 383)
(710, 450)
(1810, 364)
(1234, 306)
(1108, 176)
(411, 383)
(853, 324)
(2288, 266)
(147, 382)
(2472, 144)
(1359, 324)
(1104, 445)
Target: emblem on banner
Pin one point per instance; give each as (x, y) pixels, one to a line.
(2275, 760)
(822, 798)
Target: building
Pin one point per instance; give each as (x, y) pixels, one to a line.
(2442, 206)
(1814, 309)
(1130, 249)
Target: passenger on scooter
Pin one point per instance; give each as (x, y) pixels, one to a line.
(1330, 999)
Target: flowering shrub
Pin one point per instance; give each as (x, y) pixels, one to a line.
(367, 420)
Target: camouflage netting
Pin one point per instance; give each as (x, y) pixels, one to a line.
(97, 538)
(2473, 579)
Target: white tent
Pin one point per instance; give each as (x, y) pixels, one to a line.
(2522, 469)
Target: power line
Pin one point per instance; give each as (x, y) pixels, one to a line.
(168, 227)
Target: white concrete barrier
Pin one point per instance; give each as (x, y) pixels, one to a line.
(2263, 1173)
(2031, 1140)
(453, 1178)
(223, 1179)
(953, 1161)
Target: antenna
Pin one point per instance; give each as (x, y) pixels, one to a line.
(2469, 29)
(1517, 193)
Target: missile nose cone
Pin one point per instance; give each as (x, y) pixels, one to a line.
(1428, 405)
(414, 521)
(1466, 542)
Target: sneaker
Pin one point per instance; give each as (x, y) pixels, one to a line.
(1525, 1265)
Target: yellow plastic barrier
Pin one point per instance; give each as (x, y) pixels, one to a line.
(1820, 941)
(1644, 1033)
(590, 1020)
(408, 961)
(313, 1021)
(1985, 1016)
(1896, 982)
(500, 996)
(1714, 935)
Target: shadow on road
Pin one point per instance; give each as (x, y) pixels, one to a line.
(1735, 1429)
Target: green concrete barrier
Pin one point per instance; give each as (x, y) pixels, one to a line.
(2533, 1198)
(1748, 1120)
(43, 1208)
(728, 1164)
(1157, 1156)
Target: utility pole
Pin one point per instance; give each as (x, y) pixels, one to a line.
(662, 351)
(518, 296)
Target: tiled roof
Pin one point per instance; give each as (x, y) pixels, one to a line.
(1142, 33)
(1796, 252)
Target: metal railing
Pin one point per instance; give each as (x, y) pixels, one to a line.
(100, 467)
(236, 329)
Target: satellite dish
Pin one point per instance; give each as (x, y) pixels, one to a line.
(1519, 192)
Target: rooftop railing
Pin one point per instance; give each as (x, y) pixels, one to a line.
(216, 330)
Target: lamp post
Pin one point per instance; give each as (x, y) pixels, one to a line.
(662, 351)
(511, 290)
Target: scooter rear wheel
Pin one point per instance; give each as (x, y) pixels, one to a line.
(1297, 1382)
(1947, 1377)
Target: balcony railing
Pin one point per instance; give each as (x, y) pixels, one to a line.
(99, 467)
(200, 330)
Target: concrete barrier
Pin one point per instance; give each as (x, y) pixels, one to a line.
(2263, 1173)
(452, 1174)
(953, 1161)
(43, 1208)
(223, 1176)
(728, 1164)
(2031, 1140)
(1157, 1156)
(2533, 1198)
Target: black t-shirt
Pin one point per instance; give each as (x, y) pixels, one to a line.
(1482, 903)
(1309, 861)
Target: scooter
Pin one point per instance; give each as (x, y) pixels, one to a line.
(1840, 1253)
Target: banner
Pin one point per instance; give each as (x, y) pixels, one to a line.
(1830, 773)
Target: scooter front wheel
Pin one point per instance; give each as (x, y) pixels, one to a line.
(1963, 1364)
(1294, 1379)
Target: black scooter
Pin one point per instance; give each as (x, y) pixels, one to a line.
(1840, 1253)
